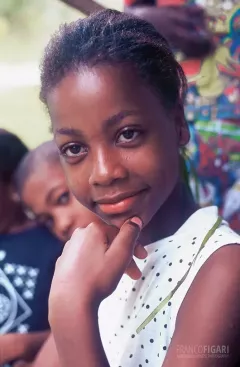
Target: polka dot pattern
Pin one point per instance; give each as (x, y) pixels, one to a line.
(167, 262)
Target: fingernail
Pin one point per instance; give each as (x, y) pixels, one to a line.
(137, 221)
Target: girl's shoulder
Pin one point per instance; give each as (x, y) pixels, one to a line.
(207, 230)
(211, 233)
(205, 310)
(216, 255)
(201, 235)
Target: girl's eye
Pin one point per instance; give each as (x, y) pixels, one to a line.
(74, 150)
(127, 136)
(64, 198)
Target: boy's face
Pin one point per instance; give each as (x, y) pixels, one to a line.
(119, 146)
(49, 201)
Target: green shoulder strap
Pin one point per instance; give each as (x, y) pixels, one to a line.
(170, 295)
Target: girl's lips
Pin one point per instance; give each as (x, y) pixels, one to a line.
(121, 206)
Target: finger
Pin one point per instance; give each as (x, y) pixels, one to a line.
(120, 253)
(133, 271)
(82, 242)
(140, 252)
(111, 233)
(77, 234)
(94, 235)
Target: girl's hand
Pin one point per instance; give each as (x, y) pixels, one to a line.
(92, 264)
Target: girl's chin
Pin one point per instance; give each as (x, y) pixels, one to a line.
(115, 222)
(118, 222)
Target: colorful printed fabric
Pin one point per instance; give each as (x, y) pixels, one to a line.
(215, 152)
(214, 83)
(213, 109)
(213, 106)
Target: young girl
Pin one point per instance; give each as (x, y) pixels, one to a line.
(54, 206)
(115, 96)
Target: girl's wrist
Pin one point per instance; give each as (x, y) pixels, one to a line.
(74, 325)
(64, 313)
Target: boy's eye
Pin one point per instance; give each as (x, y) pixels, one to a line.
(128, 135)
(63, 199)
(74, 150)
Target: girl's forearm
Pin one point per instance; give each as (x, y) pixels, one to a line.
(78, 342)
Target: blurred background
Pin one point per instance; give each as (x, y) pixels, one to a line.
(25, 27)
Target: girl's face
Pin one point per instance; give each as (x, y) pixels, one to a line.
(49, 201)
(119, 145)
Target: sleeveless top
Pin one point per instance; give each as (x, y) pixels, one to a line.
(170, 261)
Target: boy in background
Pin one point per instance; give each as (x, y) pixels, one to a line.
(27, 261)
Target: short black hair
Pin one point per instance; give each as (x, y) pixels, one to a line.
(46, 152)
(12, 151)
(112, 37)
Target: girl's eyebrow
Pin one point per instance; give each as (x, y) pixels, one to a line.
(117, 118)
(69, 132)
(113, 120)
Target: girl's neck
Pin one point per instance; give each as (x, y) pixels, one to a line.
(171, 216)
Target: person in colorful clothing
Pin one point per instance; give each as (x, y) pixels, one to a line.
(213, 99)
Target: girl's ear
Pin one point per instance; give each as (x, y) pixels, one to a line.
(181, 126)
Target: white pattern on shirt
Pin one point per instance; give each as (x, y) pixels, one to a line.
(168, 260)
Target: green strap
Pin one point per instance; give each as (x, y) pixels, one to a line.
(170, 295)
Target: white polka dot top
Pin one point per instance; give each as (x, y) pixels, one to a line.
(169, 260)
